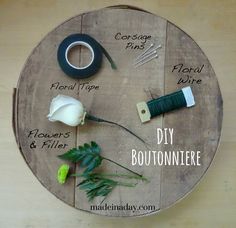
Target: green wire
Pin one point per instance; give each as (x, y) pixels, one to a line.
(166, 103)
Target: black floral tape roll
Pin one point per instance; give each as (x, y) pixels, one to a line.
(96, 52)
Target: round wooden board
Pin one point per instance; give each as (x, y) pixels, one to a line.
(196, 129)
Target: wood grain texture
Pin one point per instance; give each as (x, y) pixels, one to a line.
(197, 128)
(27, 204)
(33, 100)
(116, 99)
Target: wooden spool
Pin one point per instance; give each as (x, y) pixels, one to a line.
(196, 128)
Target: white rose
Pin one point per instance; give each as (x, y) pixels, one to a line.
(67, 110)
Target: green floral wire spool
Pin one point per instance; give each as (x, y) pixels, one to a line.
(167, 103)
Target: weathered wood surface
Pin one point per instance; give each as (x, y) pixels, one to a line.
(116, 100)
(33, 101)
(199, 127)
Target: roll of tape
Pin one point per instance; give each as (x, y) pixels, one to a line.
(96, 52)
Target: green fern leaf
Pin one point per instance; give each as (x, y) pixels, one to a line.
(88, 156)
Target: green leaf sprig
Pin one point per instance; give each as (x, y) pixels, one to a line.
(94, 184)
(89, 156)
(98, 185)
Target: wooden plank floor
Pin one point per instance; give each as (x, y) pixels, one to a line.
(23, 24)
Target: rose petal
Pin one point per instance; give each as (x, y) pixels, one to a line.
(61, 100)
